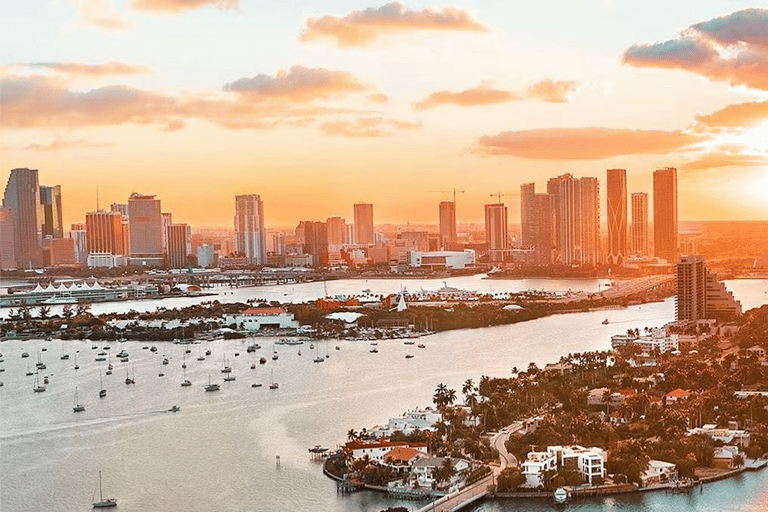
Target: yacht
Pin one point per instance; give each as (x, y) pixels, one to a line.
(210, 386)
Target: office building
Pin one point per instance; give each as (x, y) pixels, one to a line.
(665, 213)
(22, 197)
(617, 216)
(119, 207)
(316, 242)
(7, 242)
(79, 233)
(205, 256)
(179, 245)
(250, 234)
(447, 212)
(105, 233)
(639, 229)
(337, 231)
(50, 212)
(364, 223)
(496, 231)
(166, 219)
(61, 251)
(146, 231)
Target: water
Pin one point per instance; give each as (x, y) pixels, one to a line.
(219, 451)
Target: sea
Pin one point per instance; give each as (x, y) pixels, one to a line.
(245, 448)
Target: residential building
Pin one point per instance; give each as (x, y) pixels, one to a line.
(727, 436)
(7, 240)
(377, 450)
(700, 295)
(576, 219)
(250, 234)
(447, 214)
(721, 304)
(639, 231)
(589, 462)
(179, 245)
(50, 211)
(665, 213)
(146, 231)
(254, 319)
(617, 216)
(79, 233)
(22, 197)
(337, 231)
(658, 472)
(496, 237)
(61, 251)
(527, 214)
(535, 465)
(657, 339)
(425, 469)
(166, 219)
(364, 223)
(316, 242)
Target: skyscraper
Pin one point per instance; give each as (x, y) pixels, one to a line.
(22, 197)
(690, 303)
(50, 210)
(665, 213)
(542, 229)
(527, 192)
(105, 233)
(179, 245)
(617, 216)
(316, 242)
(250, 235)
(79, 233)
(146, 231)
(589, 243)
(639, 230)
(447, 211)
(576, 219)
(496, 231)
(337, 231)
(364, 223)
(7, 242)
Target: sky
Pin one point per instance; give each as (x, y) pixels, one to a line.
(318, 105)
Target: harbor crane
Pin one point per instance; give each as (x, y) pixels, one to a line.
(454, 191)
(500, 195)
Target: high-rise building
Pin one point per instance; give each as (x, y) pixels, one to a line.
(364, 223)
(79, 233)
(665, 213)
(22, 197)
(105, 233)
(527, 221)
(166, 219)
(250, 234)
(316, 242)
(119, 207)
(700, 295)
(496, 231)
(179, 245)
(639, 229)
(61, 251)
(447, 211)
(50, 212)
(146, 231)
(542, 229)
(123, 209)
(617, 216)
(337, 231)
(576, 219)
(205, 256)
(7, 242)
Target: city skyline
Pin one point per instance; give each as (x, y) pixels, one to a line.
(385, 102)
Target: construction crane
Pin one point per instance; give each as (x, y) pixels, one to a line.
(454, 191)
(500, 195)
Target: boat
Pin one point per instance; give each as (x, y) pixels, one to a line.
(274, 356)
(122, 353)
(274, 384)
(100, 358)
(408, 356)
(175, 408)
(102, 391)
(211, 386)
(337, 347)
(229, 377)
(374, 351)
(201, 358)
(561, 495)
(184, 364)
(153, 348)
(421, 345)
(263, 360)
(29, 372)
(299, 352)
(45, 380)
(185, 382)
(208, 352)
(38, 388)
(605, 322)
(165, 360)
(77, 407)
(227, 368)
(77, 367)
(408, 342)
(94, 347)
(64, 357)
(104, 503)
(255, 385)
(129, 380)
(24, 354)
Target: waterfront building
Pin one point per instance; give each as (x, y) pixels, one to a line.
(79, 233)
(700, 294)
(50, 212)
(639, 230)
(205, 256)
(665, 213)
(276, 243)
(254, 319)
(146, 233)
(425, 470)
(337, 231)
(364, 223)
(179, 245)
(589, 462)
(7, 241)
(377, 450)
(22, 197)
(441, 260)
(535, 465)
(527, 214)
(537, 213)
(589, 244)
(617, 216)
(72, 292)
(447, 215)
(576, 219)
(496, 238)
(721, 304)
(658, 472)
(250, 234)
(727, 436)
(657, 339)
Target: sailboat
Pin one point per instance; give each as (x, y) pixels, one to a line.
(274, 384)
(129, 380)
(274, 353)
(102, 390)
(210, 386)
(77, 366)
(184, 364)
(77, 407)
(185, 382)
(227, 368)
(317, 358)
(38, 388)
(104, 503)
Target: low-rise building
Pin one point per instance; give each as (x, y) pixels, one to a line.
(658, 339)
(658, 472)
(725, 435)
(425, 469)
(442, 259)
(377, 450)
(677, 394)
(536, 463)
(589, 462)
(254, 319)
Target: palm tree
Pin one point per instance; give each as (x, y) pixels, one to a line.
(450, 396)
(351, 434)
(466, 389)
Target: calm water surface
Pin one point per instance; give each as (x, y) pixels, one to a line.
(219, 451)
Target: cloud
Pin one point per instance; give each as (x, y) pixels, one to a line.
(100, 13)
(366, 127)
(483, 94)
(175, 125)
(719, 159)
(732, 48)
(300, 84)
(741, 115)
(91, 70)
(363, 26)
(552, 91)
(174, 6)
(58, 144)
(583, 143)
(378, 98)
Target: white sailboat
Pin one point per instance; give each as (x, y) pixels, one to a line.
(77, 407)
(102, 390)
(274, 384)
(210, 386)
(104, 503)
